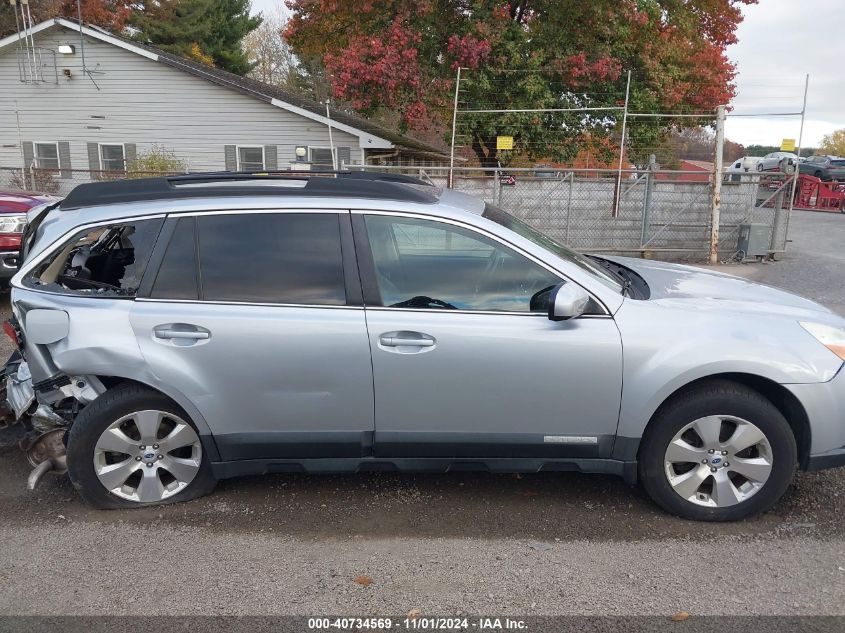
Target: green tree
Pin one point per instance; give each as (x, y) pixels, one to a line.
(209, 31)
(402, 55)
(833, 143)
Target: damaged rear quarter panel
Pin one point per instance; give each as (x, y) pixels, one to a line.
(99, 341)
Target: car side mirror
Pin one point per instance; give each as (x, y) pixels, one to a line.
(567, 301)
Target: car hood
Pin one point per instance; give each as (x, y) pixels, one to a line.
(700, 288)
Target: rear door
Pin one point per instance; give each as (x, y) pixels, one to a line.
(256, 317)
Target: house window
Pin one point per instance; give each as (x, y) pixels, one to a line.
(112, 158)
(47, 155)
(320, 157)
(250, 158)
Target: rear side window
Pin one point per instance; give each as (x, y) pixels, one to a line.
(271, 258)
(103, 261)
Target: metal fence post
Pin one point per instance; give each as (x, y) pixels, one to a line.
(497, 188)
(716, 186)
(649, 188)
(32, 177)
(571, 177)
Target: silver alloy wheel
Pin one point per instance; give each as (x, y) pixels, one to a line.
(147, 456)
(705, 469)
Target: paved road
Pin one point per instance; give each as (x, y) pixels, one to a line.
(471, 543)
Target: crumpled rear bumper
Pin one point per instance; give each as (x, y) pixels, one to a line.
(19, 392)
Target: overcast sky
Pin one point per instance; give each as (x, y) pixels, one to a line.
(780, 41)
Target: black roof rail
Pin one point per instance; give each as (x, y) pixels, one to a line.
(352, 184)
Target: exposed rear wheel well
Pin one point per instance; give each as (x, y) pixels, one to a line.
(777, 394)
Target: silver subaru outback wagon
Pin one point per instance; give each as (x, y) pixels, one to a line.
(176, 331)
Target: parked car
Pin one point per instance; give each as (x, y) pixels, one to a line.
(773, 160)
(176, 331)
(13, 210)
(824, 167)
(735, 171)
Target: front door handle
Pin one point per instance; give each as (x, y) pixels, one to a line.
(395, 341)
(180, 334)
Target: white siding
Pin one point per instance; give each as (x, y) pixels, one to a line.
(143, 102)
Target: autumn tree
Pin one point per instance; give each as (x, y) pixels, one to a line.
(833, 143)
(403, 55)
(209, 31)
(110, 14)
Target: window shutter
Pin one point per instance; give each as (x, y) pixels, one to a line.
(344, 156)
(94, 160)
(230, 157)
(64, 160)
(271, 157)
(130, 155)
(28, 154)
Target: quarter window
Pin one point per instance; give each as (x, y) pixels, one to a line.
(47, 155)
(292, 258)
(427, 264)
(112, 158)
(250, 158)
(177, 275)
(102, 261)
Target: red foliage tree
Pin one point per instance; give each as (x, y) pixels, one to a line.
(402, 55)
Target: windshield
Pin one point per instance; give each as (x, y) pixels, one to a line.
(524, 230)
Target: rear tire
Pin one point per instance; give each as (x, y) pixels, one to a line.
(683, 446)
(110, 469)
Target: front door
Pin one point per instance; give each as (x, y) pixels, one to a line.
(252, 317)
(466, 362)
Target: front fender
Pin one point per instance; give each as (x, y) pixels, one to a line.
(667, 348)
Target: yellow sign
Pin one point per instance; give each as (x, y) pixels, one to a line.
(787, 145)
(504, 142)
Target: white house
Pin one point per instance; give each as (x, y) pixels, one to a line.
(80, 99)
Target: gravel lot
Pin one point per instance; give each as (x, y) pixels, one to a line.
(459, 543)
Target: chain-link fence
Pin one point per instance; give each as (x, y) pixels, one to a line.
(659, 213)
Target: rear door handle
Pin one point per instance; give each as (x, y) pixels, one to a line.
(394, 341)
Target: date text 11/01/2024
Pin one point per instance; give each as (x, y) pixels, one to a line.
(416, 623)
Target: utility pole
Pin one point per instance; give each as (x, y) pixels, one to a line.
(716, 185)
(331, 141)
(454, 125)
(622, 149)
(797, 163)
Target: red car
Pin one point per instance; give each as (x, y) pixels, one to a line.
(13, 208)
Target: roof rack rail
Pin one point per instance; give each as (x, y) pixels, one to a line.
(332, 184)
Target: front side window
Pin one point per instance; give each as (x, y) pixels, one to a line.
(292, 258)
(250, 158)
(47, 155)
(101, 261)
(522, 229)
(428, 264)
(112, 158)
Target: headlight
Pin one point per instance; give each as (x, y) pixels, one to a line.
(12, 223)
(833, 338)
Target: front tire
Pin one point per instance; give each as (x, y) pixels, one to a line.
(134, 447)
(721, 452)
